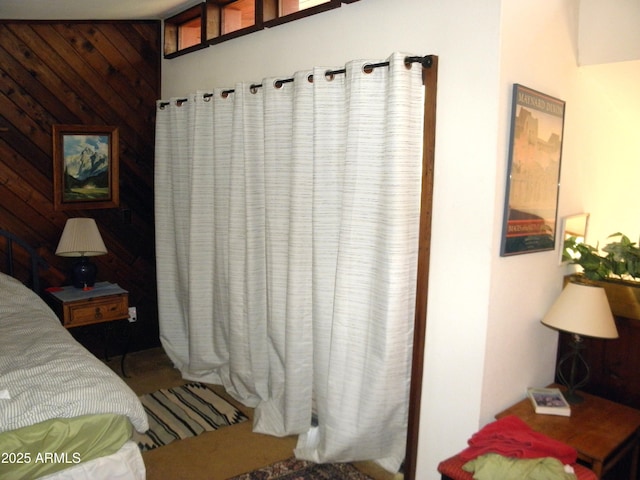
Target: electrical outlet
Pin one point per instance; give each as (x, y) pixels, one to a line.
(133, 314)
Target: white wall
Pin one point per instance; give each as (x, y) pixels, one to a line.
(609, 163)
(608, 31)
(484, 342)
(520, 352)
(600, 168)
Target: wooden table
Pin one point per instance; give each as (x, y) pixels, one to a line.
(603, 432)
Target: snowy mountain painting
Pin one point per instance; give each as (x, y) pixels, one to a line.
(86, 167)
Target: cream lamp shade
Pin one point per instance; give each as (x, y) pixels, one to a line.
(81, 238)
(583, 310)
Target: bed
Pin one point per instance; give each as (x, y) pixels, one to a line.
(63, 413)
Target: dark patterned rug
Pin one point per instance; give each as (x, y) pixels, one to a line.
(294, 469)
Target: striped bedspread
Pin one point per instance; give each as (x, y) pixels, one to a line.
(45, 373)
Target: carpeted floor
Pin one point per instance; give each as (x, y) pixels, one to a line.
(218, 455)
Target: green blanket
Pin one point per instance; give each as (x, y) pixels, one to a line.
(60, 443)
(493, 466)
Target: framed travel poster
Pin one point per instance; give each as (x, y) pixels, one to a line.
(85, 167)
(533, 181)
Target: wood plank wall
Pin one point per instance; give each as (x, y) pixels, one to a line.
(88, 73)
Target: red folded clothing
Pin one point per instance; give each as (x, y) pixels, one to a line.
(511, 437)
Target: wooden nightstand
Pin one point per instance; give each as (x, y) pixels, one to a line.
(104, 303)
(603, 432)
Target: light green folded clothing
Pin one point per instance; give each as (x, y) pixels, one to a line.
(497, 467)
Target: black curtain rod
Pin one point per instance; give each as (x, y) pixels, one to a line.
(426, 61)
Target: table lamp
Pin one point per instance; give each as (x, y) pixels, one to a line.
(81, 238)
(583, 311)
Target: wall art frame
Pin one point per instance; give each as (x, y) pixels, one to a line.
(533, 177)
(572, 226)
(85, 167)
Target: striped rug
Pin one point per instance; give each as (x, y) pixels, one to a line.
(182, 412)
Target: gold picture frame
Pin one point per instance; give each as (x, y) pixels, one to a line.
(85, 167)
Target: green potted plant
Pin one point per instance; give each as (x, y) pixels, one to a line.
(617, 269)
(621, 258)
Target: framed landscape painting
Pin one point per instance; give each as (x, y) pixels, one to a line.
(533, 180)
(85, 167)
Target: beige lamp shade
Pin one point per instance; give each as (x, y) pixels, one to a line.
(584, 310)
(81, 238)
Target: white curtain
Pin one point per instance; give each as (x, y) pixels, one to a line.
(287, 237)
